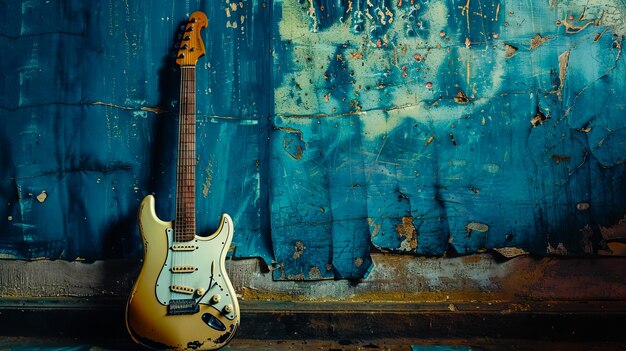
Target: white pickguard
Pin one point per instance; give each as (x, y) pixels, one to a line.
(205, 255)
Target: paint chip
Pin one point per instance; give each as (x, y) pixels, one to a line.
(476, 226)
(42, 197)
(539, 118)
(315, 273)
(511, 252)
(537, 41)
(407, 230)
(582, 206)
(563, 63)
(298, 248)
(509, 50)
(560, 250)
(614, 232)
(430, 140)
(461, 98)
(560, 158)
(374, 227)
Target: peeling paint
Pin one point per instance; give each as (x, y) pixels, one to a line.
(582, 206)
(407, 230)
(509, 50)
(376, 227)
(206, 184)
(42, 196)
(293, 147)
(539, 118)
(315, 273)
(511, 252)
(537, 41)
(571, 28)
(560, 250)
(388, 94)
(563, 63)
(476, 226)
(614, 232)
(461, 98)
(298, 249)
(560, 158)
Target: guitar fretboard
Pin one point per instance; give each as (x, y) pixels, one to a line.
(185, 219)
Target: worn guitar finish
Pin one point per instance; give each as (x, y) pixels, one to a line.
(183, 299)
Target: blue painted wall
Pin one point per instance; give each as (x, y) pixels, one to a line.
(325, 128)
(88, 116)
(436, 127)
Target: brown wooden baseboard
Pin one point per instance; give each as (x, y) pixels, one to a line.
(100, 318)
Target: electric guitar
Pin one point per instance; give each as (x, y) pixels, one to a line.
(182, 298)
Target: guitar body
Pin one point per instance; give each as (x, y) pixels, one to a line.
(193, 309)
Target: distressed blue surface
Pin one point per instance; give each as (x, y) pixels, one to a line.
(80, 85)
(325, 128)
(427, 109)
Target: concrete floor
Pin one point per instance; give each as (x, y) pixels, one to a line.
(476, 344)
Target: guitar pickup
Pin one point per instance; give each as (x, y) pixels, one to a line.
(184, 269)
(183, 247)
(182, 289)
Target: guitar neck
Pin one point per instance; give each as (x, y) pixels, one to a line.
(185, 219)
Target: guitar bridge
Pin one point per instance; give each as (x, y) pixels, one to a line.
(184, 306)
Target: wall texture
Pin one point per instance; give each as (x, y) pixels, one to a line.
(88, 120)
(324, 128)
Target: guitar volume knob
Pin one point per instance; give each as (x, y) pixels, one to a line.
(228, 308)
(215, 298)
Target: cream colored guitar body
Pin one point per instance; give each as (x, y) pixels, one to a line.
(182, 299)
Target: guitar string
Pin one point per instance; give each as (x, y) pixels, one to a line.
(184, 220)
(178, 219)
(181, 161)
(189, 161)
(188, 186)
(189, 104)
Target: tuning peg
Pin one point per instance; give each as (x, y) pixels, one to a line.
(182, 55)
(187, 37)
(192, 20)
(184, 47)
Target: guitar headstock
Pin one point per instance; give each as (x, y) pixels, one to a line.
(191, 45)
